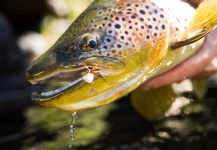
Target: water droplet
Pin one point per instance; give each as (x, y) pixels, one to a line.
(71, 127)
(169, 63)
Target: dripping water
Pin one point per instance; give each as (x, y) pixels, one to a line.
(72, 128)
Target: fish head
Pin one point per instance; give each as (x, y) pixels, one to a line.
(97, 55)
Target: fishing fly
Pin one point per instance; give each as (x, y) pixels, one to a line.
(90, 74)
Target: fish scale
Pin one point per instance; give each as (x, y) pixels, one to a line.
(133, 24)
(128, 24)
(115, 46)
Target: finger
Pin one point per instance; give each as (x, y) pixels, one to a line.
(208, 71)
(189, 68)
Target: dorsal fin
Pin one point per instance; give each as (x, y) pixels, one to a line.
(203, 22)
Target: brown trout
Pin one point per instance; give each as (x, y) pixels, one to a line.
(116, 45)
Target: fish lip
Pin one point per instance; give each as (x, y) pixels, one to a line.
(49, 75)
(100, 62)
(75, 69)
(36, 97)
(43, 96)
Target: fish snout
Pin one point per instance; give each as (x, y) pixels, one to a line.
(40, 67)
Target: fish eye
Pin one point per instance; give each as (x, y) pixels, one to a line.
(88, 42)
(92, 44)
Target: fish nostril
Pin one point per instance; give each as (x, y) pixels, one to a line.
(63, 52)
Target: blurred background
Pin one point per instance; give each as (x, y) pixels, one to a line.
(27, 29)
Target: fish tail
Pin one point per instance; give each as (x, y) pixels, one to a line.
(203, 22)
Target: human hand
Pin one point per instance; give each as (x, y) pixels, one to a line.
(200, 65)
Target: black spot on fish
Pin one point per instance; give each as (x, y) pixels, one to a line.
(119, 46)
(133, 16)
(108, 40)
(161, 15)
(155, 11)
(150, 26)
(142, 11)
(120, 12)
(128, 4)
(117, 26)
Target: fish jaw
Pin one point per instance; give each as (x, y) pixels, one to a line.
(70, 71)
(49, 68)
(82, 96)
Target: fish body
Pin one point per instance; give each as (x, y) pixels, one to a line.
(115, 46)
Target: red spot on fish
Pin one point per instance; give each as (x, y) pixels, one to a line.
(113, 51)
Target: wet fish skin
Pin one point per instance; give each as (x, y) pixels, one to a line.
(133, 34)
(119, 33)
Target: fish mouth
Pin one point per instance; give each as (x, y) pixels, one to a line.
(74, 74)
